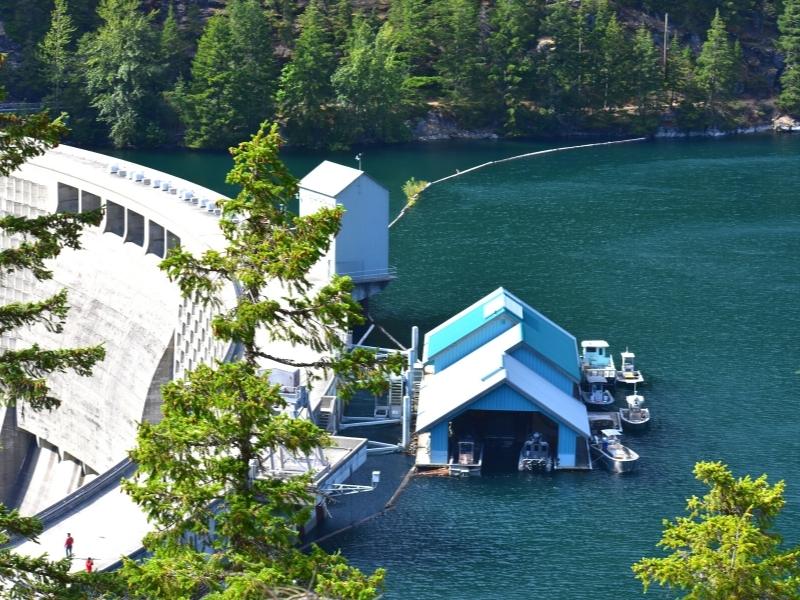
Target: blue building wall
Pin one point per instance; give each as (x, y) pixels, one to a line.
(439, 440)
(474, 340)
(536, 363)
(503, 398)
(566, 446)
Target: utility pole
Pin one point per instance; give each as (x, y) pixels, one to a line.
(358, 158)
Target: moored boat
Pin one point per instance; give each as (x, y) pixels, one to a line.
(628, 373)
(597, 397)
(468, 458)
(597, 360)
(615, 457)
(535, 454)
(635, 417)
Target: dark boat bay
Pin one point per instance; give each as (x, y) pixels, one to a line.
(686, 252)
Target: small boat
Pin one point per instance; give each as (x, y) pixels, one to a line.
(636, 417)
(628, 373)
(468, 458)
(597, 360)
(614, 456)
(597, 397)
(535, 454)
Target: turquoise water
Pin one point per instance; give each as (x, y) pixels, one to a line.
(686, 252)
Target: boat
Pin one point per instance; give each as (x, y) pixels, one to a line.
(597, 397)
(636, 417)
(628, 373)
(608, 449)
(468, 458)
(535, 454)
(597, 360)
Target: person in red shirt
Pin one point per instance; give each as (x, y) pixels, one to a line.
(89, 565)
(68, 545)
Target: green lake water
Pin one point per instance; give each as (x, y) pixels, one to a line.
(686, 252)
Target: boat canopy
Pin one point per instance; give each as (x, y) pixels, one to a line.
(634, 398)
(594, 344)
(611, 432)
(627, 354)
(596, 379)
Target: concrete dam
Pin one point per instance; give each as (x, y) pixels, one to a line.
(64, 465)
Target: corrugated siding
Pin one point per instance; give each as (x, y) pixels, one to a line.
(552, 341)
(566, 446)
(503, 398)
(540, 366)
(439, 440)
(472, 341)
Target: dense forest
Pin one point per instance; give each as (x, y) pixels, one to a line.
(138, 73)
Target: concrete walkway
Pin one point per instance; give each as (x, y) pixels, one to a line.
(106, 528)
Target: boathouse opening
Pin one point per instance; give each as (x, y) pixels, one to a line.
(502, 434)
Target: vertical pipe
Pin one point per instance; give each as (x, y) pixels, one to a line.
(666, 36)
(406, 422)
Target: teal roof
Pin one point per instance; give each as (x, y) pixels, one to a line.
(542, 334)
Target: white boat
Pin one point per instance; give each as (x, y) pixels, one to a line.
(615, 457)
(628, 373)
(597, 360)
(535, 454)
(636, 417)
(468, 458)
(597, 397)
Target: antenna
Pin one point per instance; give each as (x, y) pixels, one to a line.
(358, 158)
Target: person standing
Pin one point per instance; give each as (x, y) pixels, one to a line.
(68, 545)
(89, 565)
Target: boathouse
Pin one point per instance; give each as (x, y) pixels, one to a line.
(497, 372)
(361, 248)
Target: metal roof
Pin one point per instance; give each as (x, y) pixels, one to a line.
(542, 334)
(594, 344)
(329, 178)
(448, 393)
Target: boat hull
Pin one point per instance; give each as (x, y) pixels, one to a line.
(615, 465)
(638, 425)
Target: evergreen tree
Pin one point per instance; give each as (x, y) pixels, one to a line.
(411, 24)
(789, 44)
(645, 71)
(512, 43)
(123, 72)
(615, 67)
(57, 53)
(725, 548)
(306, 93)
(233, 73)
(369, 87)
(561, 69)
(461, 62)
(717, 65)
(174, 49)
(196, 469)
(680, 72)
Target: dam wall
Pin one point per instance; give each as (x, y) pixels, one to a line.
(119, 298)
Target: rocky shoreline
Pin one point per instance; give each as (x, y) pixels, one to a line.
(437, 127)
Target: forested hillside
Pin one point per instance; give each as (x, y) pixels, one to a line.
(337, 72)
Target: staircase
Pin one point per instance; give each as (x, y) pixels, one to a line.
(395, 397)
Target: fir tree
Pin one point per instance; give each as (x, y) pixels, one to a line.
(615, 67)
(305, 94)
(233, 78)
(461, 61)
(789, 43)
(717, 65)
(645, 71)
(57, 52)
(368, 85)
(123, 72)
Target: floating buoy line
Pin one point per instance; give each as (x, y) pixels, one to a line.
(458, 173)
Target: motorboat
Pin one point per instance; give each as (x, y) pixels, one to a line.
(467, 459)
(535, 454)
(608, 449)
(596, 359)
(635, 417)
(628, 373)
(597, 397)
